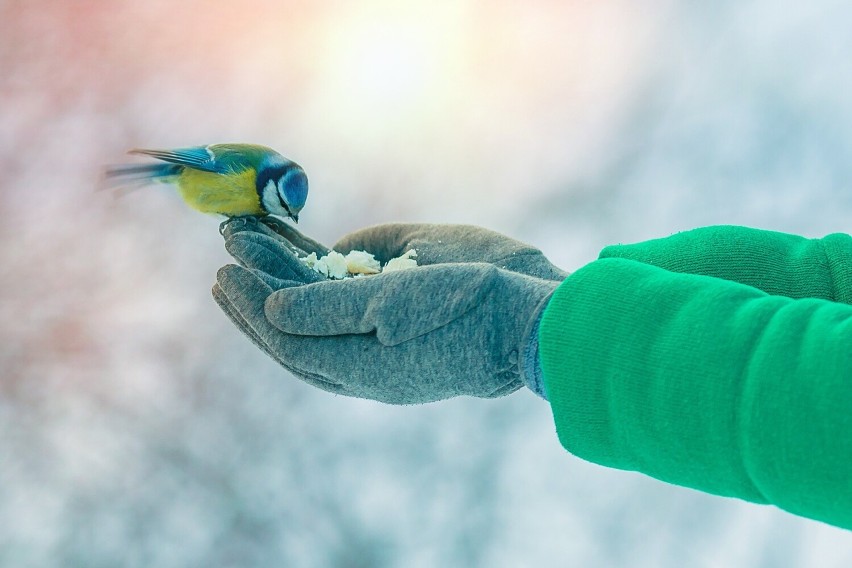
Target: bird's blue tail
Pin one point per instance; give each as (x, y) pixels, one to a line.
(128, 175)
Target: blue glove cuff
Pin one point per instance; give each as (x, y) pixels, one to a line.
(531, 365)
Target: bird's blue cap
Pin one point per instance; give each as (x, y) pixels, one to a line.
(296, 186)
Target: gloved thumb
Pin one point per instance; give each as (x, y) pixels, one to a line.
(398, 306)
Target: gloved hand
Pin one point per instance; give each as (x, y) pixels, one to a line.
(412, 336)
(266, 245)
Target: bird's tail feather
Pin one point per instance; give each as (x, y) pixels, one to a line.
(130, 175)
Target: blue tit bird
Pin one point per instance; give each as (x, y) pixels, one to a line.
(234, 180)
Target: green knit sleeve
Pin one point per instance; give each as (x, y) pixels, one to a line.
(709, 383)
(777, 263)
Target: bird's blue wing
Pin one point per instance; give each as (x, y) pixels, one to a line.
(197, 157)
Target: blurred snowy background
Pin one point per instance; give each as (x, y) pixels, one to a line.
(139, 428)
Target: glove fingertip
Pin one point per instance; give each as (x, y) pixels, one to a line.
(275, 309)
(234, 278)
(224, 272)
(218, 294)
(290, 312)
(278, 301)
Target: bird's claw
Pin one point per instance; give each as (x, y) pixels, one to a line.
(233, 225)
(274, 223)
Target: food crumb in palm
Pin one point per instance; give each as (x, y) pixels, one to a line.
(362, 262)
(404, 262)
(356, 263)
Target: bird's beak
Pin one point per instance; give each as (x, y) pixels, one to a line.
(295, 217)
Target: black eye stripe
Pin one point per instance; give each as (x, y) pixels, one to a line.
(265, 175)
(283, 204)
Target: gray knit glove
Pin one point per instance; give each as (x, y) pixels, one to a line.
(404, 337)
(454, 326)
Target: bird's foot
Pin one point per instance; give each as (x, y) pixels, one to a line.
(233, 225)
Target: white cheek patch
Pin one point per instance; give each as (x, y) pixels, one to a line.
(269, 198)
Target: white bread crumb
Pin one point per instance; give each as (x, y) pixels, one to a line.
(362, 262)
(403, 262)
(336, 265)
(357, 263)
(321, 267)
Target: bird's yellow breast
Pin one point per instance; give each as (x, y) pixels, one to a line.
(232, 194)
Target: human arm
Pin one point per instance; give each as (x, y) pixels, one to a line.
(696, 380)
(707, 382)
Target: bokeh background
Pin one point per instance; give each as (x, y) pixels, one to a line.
(139, 428)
